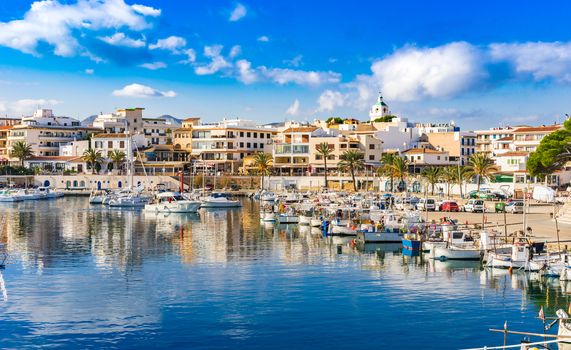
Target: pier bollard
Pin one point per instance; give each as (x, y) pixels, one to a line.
(339, 249)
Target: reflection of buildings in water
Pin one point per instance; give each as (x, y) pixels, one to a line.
(3, 287)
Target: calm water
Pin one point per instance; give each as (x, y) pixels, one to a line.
(90, 277)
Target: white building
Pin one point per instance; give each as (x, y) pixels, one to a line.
(379, 109)
(73, 148)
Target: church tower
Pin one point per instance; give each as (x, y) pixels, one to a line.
(379, 109)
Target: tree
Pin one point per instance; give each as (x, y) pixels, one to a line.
(449, 175)
(263, 163)
(351, 160)
(334, 120)
(22, 151)
(553, 152)
(325, 151)
(432, 174)
(385, 119)
(92, 158)
(462, 174)
(386, 169)
(481, 166)
(400, 168)
(117, 157)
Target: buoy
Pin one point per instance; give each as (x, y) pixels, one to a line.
(510, 270)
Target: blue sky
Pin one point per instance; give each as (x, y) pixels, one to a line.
(480, 64)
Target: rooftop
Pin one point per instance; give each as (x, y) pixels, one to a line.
(542, 128)
(422, 151)
(514, 154)
(301, 129)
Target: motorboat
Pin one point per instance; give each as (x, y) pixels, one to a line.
(521, 258)
(10, 196)
(28, 194)
(267, 197)
(98, 197)
(564, 329)
(456, 245)
(287, 218)
(268, 216)
(48, 193)
(172, 202)
(383, 236)
(128, 199)
(220, 200)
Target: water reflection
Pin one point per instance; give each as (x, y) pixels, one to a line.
(122, 277)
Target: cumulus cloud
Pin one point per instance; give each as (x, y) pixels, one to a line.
(153, 65)
(190, 56)
(541, 60)
(141, 91)
(283, 76)
(236, 50)
(146, 10)
(89, 71)
(238, 13)
(54, 23)
(173, 44)
(294, 62)
(329, 100)
(246, 74)
(294, 108)
(263, 39)
(28, 105)
(217, 61)
(120, 39)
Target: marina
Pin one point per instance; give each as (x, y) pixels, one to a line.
(306, 283)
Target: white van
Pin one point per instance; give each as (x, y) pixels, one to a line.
(426, 204)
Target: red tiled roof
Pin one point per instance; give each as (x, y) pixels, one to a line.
(514, 154)
(52, 158)
(538, 129)
(422, 150)
(301, 129)
(506, 138)
(106, 136)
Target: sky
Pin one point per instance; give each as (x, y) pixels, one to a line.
(481, 64)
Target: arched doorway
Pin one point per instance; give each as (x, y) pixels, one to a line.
(47, 183)
(119, 184)
(67, 184)
(75, 183)
(99, 185)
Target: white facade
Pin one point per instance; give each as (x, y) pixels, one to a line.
(73, 148)
(379, 109)
(107, 143)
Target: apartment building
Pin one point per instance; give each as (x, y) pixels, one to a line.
(528, 138)
(158, 131)
(487, 140)
(182, 137)
(460, 145)
(4, 150)
(222, 146)
(45, 132)
(122, 121)
(420, 158)
(291, 152)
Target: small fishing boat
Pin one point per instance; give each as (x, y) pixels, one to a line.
(28, 194)
(384, 236)
(172, 202)
(98, 197)
(564, 325)
(456, 245)
(220, 200)
(48, 193)
(520, 258)
(9, 196)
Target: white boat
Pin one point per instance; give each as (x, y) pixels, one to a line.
(520, 258)
(285, 218)
(304, 220)
(267, 197)
(315, 222)
(9, 196)
(342, 228)
(28, 194)
(268, 216)
(564, 325)
(220, 200)
(373, 236)
(452, 252)
(48, 193)
(171, 202)
(128, 199)
(98, 197)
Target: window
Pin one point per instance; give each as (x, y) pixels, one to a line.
(343, 145)
(255, 135)
(261, 145)
(121, 144)
(249, 134)
(248, 145)
(371, 146)
(109, 144)
(241, 144)
(241, 134)
(318, 157)
(371, 157)
(268, 136)
(437, 157)
(255, 145)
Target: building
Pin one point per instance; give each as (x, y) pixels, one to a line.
(4, 150)
(291, 151)
(5, 121)
(486, 140)
(460, 145)
(122, 121)
(158, 131)
(182, 137)
(222, 146)
(419, 158)
(45, 132)
(528, 138)
(73, 148)
(379, 109)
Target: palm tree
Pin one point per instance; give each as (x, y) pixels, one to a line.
(449, 175)
(386, 169)
(263, 163)
(92, 157)
(350, 161)
(462, 174)
(117, 157)
(22, 151)
(432, 174)
(400, 168)
(481, 166)
(325, 151)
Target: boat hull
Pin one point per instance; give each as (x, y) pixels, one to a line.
(287, 219)
(457, 253)
(379, 237)
(178, 207)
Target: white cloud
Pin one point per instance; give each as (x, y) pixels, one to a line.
(141, 91)
(413, 73)
(294, 108)
(190, 56)
(120, 39)
(263, 39)
(235, 51)
(246, 74)
(153, 65)
(54, 23)
(89, 71)
(238, 13)
(146, 10)
(28, 105)
(173, 44)
(283, 76)
(294, 62)
(541, 60)
(217, 61)
(329, 100)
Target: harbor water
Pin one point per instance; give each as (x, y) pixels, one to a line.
(82, 276)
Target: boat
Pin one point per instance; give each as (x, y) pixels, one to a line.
(133, 200)
(267, 197)
(268, 216)
(287, 218)
(315, 222)
(220, 200)
(564, 329)
(172, 202)
(385, 236)
(10, 197)
(456, 245)
(28, 194)
(520, 258)
(48, 193)
(98, 197)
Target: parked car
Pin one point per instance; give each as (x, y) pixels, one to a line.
(449, 205)
(474, 206)
(515, 207)
(426, 204)
(403, 203)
